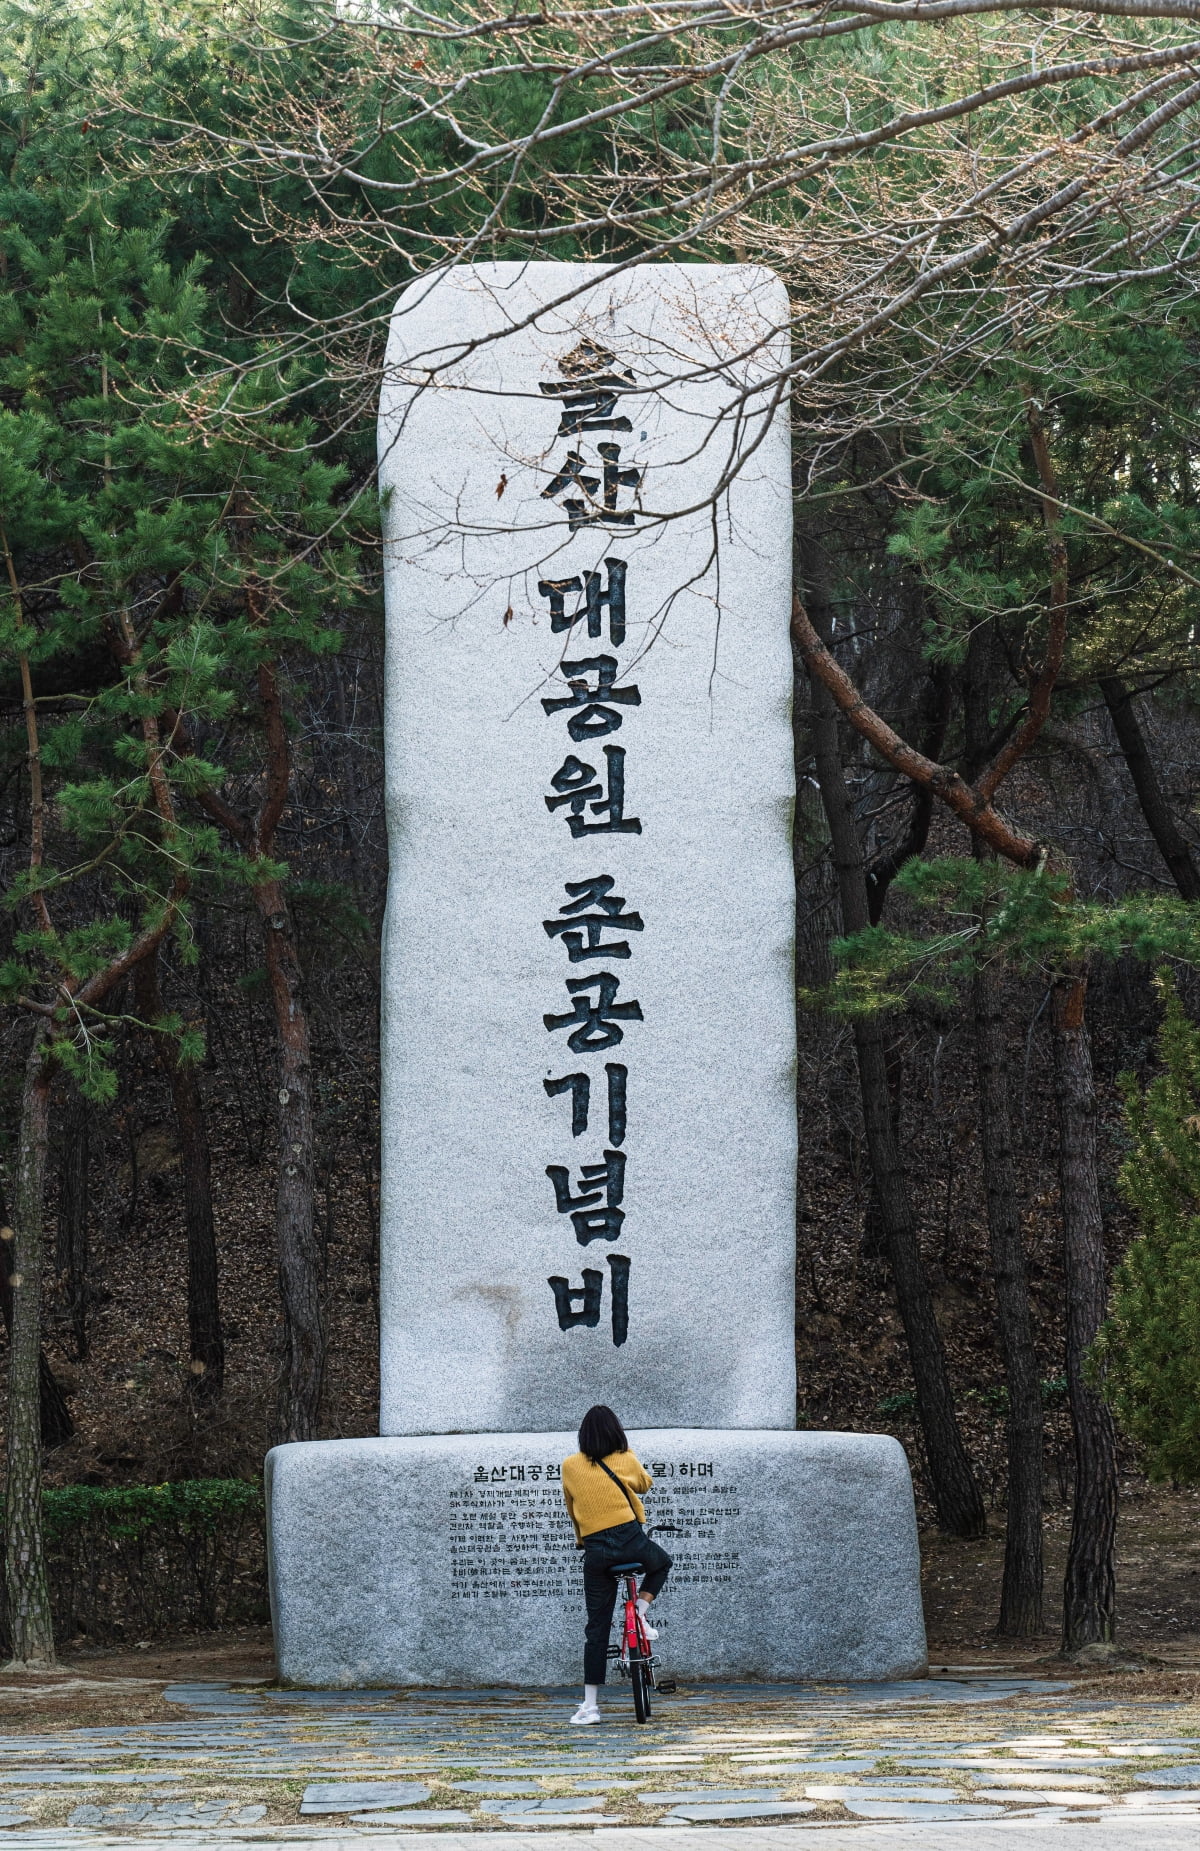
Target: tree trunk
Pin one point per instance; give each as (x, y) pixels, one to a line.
(1089, 1593)
(56, 1423)
(24, 1563)
(303, 1363)
(956, 1496)
(57, 1427)
(1172, 846)
(71, 1257)
(206, 1343)
(1023, 1582)
(1021, 1589)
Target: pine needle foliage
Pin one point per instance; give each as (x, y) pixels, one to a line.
(990, 912)
(1148, 1355)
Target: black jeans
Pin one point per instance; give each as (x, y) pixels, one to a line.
(627, 1542)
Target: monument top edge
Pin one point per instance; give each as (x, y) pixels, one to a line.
(512, 273)
(785, 1439)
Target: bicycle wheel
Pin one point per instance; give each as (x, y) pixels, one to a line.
(639, 1672)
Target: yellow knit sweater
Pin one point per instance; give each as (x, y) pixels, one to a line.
(593, 1501)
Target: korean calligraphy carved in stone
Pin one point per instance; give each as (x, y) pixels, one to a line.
(579, 1086)
(597, 707)
(582, 928)
(579, 789)
(585, 510)
(582, 1304)
(595, 1212)
(597, 1020)
(596, 602)
(589, 390)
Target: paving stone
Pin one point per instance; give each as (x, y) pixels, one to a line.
(1042, 1796)
(695, 1796)
(1186, 1775)
(605, 1782)
(933, 1795)
(110, 1815)
(1164, 1796)
(53, 1777)
(546, 1804)
(431, 1817)
(1061, 1783)
(778, 1809)
(360, 1796)
(843, 1765)
(914, 1809)
(10, 1817)
(495, 1786)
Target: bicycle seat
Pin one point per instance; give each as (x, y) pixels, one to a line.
(627, 1568)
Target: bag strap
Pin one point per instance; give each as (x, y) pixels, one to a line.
(621, 1486)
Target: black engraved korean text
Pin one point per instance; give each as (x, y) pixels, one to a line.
(579, 790)
(595, 602)
(593, 910)
(580, 1088)
(588, 1298)
(595, 709)
(595, 1211)
(584, 510)
(597, 1021)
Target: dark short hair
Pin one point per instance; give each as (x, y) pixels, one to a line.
(601, 1433)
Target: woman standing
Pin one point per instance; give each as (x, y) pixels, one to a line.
(600, 1484)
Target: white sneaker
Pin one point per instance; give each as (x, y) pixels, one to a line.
(651, 1632)
(587, 1712)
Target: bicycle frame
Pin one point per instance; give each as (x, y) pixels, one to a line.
(633, 1633)
(634, 1655)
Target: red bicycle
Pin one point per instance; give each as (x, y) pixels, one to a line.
(634, 1656)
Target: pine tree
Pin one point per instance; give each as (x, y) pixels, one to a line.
(1149, 1352)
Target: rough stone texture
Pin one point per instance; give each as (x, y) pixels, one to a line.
(470, 1231)
(426, 1561)
(361, 1796)
(778, 1810)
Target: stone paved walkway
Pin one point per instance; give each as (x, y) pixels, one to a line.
(1011, 1761)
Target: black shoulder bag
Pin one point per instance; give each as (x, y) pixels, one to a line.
(621, 1486)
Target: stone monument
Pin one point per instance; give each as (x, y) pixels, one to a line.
(589, 1128)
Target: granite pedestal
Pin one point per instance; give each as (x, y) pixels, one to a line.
(450, 1561)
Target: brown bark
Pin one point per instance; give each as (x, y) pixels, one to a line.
(1042, 686)
(1022, 1585)
(206, 1343)
(25, 1583)
(981, 818)
(295, 1217)
(1171, 844)
(71, 1257)
(1023, 1581)
(1089, 1593)
(956, 1496)
(882, 872)
(55, 1416)
(302, 1364)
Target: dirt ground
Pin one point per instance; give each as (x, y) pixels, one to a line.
(1158, 1584)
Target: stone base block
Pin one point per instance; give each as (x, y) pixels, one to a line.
(449, 1560)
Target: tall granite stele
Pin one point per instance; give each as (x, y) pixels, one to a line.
(589, 1127)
